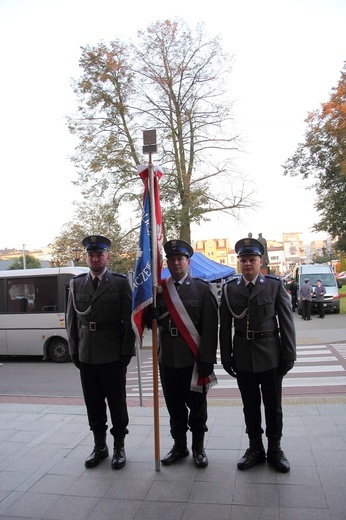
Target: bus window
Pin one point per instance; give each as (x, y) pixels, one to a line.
(32, 295)
(2, 302)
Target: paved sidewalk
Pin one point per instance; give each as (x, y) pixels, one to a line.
(43, 445)
(42, 474)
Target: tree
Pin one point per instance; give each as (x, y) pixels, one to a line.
(174, 80)
(322, 158)
(91, 219)
(30, 263)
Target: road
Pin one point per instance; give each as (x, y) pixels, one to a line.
(320, 369)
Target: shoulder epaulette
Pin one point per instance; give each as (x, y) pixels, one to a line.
(232, 280)
(79, 275)
(119, 274)
(200, 279)
(272, 276)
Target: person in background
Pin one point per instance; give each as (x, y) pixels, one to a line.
(305, 295)
(320, 291)
(187, 318)
(258, 348)
(101, 344)
(293, 290)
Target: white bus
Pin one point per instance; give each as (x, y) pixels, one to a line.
(32, 312)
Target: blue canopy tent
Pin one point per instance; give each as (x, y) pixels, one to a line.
(202, 267)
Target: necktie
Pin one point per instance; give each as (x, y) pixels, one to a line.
(95, 282)
(177, 285)
(250, 287)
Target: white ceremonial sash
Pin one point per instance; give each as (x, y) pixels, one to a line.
(188, 331)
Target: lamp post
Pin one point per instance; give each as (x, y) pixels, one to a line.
(76, 253)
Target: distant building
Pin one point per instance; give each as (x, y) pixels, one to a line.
(276, 254)
(217, 249)
(293, 248)
(8, 256)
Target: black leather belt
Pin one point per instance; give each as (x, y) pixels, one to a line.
(255, 334)
(93, 326)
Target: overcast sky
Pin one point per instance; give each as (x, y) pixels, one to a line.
(287, 58)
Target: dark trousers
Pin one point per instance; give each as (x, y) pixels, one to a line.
(306, 309)
(186, 409)
(294, 302)
(321, 310)
(106, 381)
(267, 385)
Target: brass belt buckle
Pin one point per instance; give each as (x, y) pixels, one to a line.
(250, 334)
(174, 331)
(92, 326)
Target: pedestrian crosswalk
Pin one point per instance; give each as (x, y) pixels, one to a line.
(341, 349)
(319, 368)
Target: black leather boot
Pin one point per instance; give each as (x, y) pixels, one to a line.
(255, 454)
(100, 451)
(198, 452)
(119, 455)
(178, 451)
(276, 457)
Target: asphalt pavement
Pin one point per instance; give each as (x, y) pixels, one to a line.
(331, 329)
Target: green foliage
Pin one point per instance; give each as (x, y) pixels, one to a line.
(30, 263)
(322, 159)
(343, 261)
(326, 258)
(96, 218)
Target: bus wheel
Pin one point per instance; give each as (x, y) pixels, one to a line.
(58, 351)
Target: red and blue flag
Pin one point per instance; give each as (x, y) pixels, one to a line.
(144, 279)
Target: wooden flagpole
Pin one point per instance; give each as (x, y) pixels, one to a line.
(149, 140)
(154, 322)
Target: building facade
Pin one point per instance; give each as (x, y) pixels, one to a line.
(217, 249)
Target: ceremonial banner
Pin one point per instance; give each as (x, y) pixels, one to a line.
(147, 275)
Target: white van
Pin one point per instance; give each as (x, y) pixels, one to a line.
(326, 274)
(32, 312)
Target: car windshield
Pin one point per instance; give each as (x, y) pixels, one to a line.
(328, 280)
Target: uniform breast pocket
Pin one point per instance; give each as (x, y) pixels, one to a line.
(110, 302)
(265, 299)
(109, 298)
(191, 304)
(83, 301)
(82, 297)
(193, 308)
(265, 304)
(239, 301)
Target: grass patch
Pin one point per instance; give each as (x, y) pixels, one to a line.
(342, 291)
